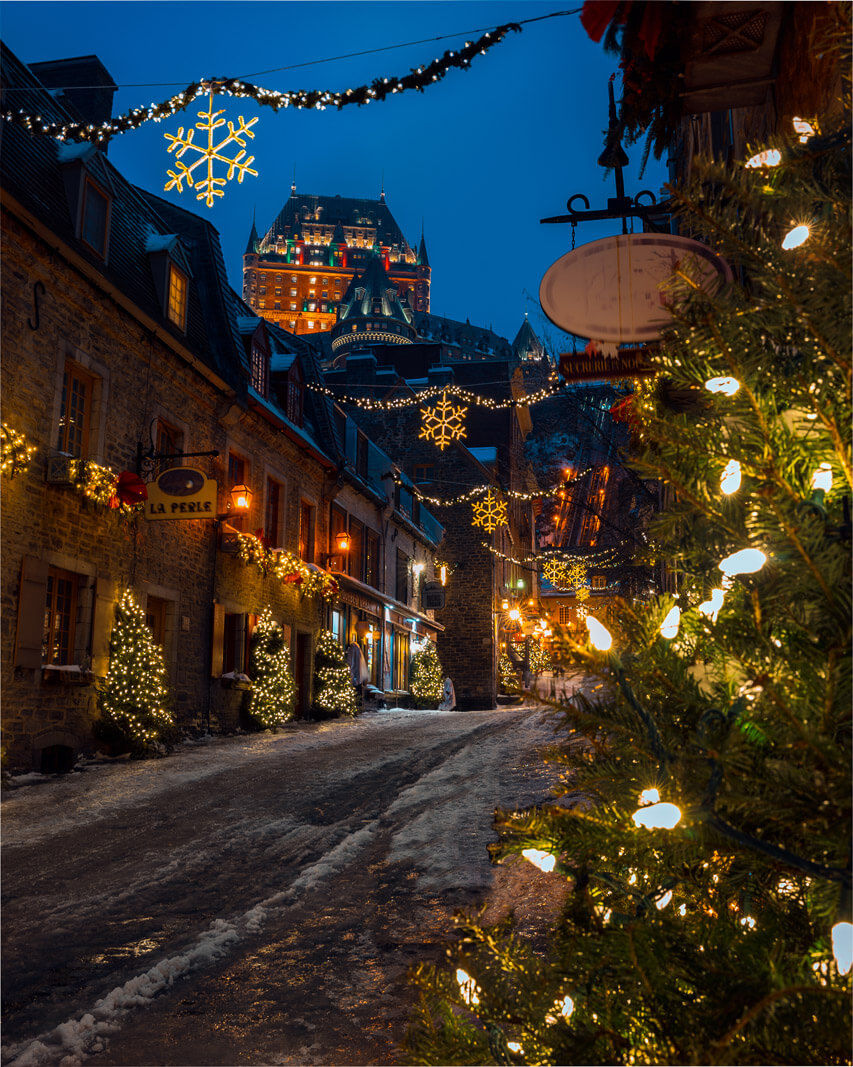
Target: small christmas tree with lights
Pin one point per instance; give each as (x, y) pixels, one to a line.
(707, 868)
(134, 698)
(334, 693)
(426, 681)
(273, 692)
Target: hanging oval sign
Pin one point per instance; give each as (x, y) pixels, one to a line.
(615, 289)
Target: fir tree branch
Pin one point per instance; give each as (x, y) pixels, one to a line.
(757, 1008)
(791, 533)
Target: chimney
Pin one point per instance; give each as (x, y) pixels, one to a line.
(86, 85)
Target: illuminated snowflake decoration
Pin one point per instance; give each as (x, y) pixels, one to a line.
(490, 512)
(443, 423)
(554, 571)
(576, 574)
(580, 611)
(210, 186)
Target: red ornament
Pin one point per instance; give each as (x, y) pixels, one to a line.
(623, 410)
(130, 490)
(295, 578)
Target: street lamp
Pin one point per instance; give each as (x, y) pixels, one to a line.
(341, 542)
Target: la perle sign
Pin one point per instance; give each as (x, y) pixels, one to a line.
(181, 493)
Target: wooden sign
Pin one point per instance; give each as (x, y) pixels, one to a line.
(181, 493)
(615, 289)
(598, 366)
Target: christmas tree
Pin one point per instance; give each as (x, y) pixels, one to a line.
(271, 700)
(426, 677)
(134, 698)
(334, 693)
(706, 868)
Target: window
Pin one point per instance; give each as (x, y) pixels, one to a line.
(293, 291)
(295, 396)
(306, 531)
(293, 307)
(176, 309)
(96, 217)
(273, 512)
(155, 619)
(424, 473)
(337, 523)
(60, 615)
(598, 581)
(361, 452)
(402, 577)
(237, 631)
(260, 370)
(565, 615)
(355, 564)
(400, 671)
(371, 559)
(75, 410)
(168, 443)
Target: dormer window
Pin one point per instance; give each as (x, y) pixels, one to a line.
(177, 305)
(95, 217)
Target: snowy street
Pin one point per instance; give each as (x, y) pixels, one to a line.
(255, 899)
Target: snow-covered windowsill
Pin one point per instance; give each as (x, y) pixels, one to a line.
(66, 674)
(235, 680)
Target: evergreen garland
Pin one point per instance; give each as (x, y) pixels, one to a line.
(334, 693)
(134, 697)
(271, 700)
(707, 872)
(426, 677)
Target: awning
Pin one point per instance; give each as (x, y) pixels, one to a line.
(366, 598)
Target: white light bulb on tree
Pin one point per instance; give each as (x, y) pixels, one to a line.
(747, 561)
(724, 385)
(821, 480)
(599, 635)
(711, 607)
(649, 796)
(543, 860)
(842, 946)
(730, 478)
(662, 902)
(669, 626)
(658, 816)
(770, 157)
(795, 237)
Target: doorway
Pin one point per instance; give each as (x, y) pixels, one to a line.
(302, 675)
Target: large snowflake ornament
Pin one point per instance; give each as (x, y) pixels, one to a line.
(443, 423)
(554, 571)
(210, 187)
(490, 512)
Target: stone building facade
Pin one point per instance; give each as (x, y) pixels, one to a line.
(129, 361)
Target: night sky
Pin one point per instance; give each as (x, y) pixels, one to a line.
(476, 159)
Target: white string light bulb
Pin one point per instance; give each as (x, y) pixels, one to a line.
(842, 946)
(468, 987)
(658, 816)
(711, 607)
(726, 385)
(796, 236)
(649, 796)
(599, 636)
(669, 626)
(770, 157)
(662, 902)
(543, 860)
(822, 478)
(747, 561)
(730, 478)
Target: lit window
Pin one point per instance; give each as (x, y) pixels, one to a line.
(95, 220)
(273, 511)
(313, 281)
(260, 370)
(177, 307)
(598, 581)
(168, 443)
(293, 291)
(60, 614)
(75, 410)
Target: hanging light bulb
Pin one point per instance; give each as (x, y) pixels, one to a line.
(658, 816)
(842, 946)
(730, 478)
(747, 561)
(669, 626)
(662, 902)
(805, 129)
(711, 607)
(543, 860)
(770, 157)
(728, 386)
(649, 796)
(796, 236)
(599, 635)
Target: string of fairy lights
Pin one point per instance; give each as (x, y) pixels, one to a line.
(380, 88)
(479, 490)
(399, 403)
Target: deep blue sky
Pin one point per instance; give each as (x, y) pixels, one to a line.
(479, 158)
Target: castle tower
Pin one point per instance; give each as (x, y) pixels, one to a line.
(371, 313)
(297, 274)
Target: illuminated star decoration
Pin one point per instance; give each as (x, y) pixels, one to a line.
(490, 512)
(443, 423)
(209, 187)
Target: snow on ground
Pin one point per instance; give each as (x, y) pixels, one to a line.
(438, 827)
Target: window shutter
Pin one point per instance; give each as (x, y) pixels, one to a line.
(103, 616)
(32, 598)
(217, 640)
